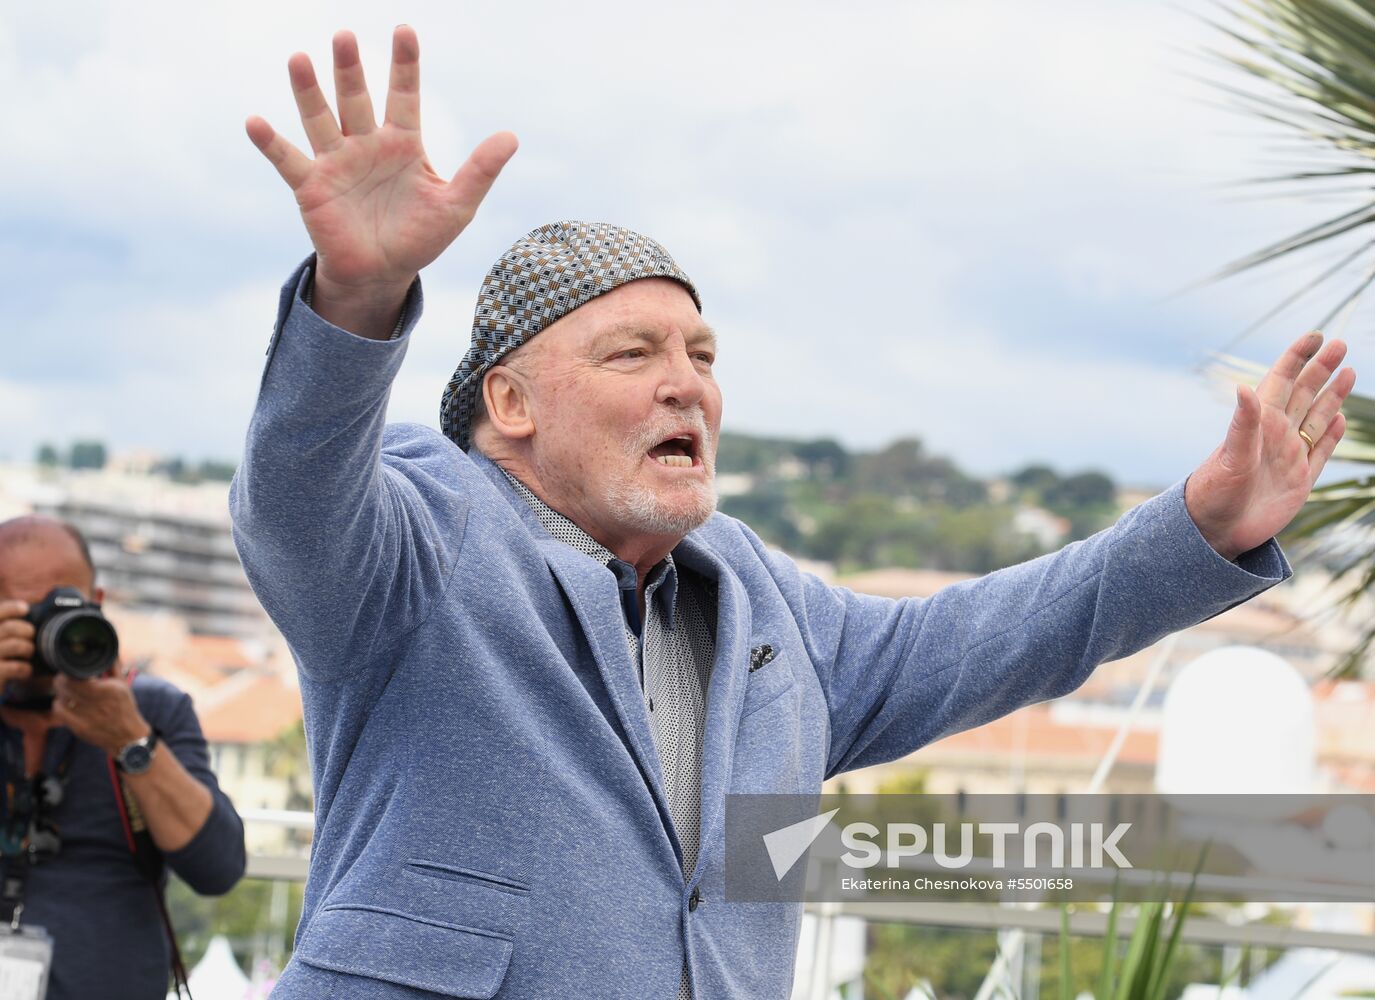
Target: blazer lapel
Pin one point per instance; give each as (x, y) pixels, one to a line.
(591, 590)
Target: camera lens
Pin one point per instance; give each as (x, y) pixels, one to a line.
(79, 643)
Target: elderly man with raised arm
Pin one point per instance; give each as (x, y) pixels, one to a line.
(534, 659)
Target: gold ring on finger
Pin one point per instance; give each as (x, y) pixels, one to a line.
(1306, 439)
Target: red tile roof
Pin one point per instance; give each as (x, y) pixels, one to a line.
(249, 708)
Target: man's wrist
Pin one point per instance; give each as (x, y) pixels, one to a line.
(371, 311)
(136, 756)
(132, 734)
(1228, 552)
(1222, 548)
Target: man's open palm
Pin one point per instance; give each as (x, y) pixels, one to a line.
(375, 209)
(1253, 484)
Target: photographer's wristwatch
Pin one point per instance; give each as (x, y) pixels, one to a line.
(137, 757)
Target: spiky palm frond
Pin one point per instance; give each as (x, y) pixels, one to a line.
(1315, 60)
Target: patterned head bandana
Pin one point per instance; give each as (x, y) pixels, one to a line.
(542, 278)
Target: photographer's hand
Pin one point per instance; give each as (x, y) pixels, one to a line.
(375, 209)
(16, 642)
(103, 712)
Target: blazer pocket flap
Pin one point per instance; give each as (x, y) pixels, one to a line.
(395, 947)
(765, 685)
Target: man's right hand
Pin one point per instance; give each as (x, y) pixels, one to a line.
(16, 642)
(375, 209)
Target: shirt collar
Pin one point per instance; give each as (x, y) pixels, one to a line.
(661, 581)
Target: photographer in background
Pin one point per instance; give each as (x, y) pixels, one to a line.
(107, 781)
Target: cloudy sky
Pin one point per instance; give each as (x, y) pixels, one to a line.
(962, 221)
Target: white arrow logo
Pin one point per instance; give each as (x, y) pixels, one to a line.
(785, 846)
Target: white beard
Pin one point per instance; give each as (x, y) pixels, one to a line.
(642, 509)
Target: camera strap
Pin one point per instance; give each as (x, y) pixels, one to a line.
(28, 835)
(148, 860)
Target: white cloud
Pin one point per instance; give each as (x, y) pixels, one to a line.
(180, 376)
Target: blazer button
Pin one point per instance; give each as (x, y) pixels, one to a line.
(695, 898)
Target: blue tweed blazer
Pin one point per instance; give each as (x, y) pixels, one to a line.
(490, 820)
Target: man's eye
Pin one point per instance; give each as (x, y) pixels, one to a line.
(708, 358)
(634, 352)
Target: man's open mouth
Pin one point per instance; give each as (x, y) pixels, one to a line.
(678, 451)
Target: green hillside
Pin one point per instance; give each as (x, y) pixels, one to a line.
(901, 505)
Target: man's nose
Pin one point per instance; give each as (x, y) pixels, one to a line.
(682, 383)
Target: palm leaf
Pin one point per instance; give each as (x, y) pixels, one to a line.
(1315, 63)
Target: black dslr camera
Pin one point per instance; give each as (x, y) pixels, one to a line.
(71, 636)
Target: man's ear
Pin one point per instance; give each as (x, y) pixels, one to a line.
(506, 394)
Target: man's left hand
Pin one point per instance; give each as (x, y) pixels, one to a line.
(1254, 483)
(101, 712)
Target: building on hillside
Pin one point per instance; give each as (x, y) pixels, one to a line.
(162, 643)
(730, 484)
(1048, 530)
(252, 724)
(257, 749)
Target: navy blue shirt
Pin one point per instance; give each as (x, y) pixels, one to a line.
(108, 940)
